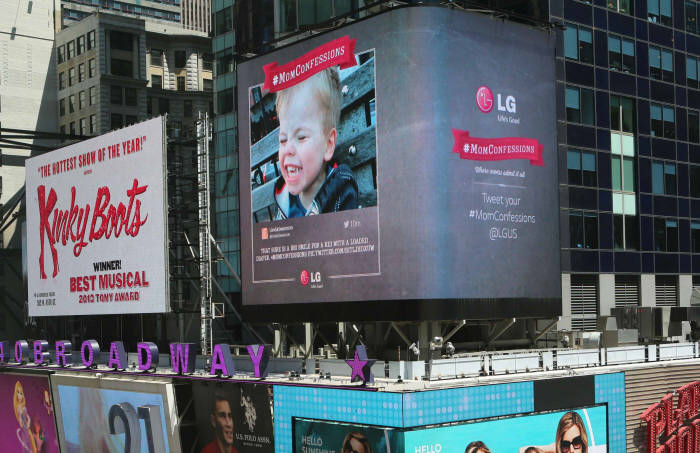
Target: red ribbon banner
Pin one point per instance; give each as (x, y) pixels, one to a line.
(340, 51)
(491, 149)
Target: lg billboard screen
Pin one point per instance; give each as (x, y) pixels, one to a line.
(407, 157)
(96, 225)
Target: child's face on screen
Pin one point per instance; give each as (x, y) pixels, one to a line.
(304, 144)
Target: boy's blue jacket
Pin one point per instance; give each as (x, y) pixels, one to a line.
(338, 193)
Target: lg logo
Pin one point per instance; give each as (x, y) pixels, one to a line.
(307, 277)
(484, 100)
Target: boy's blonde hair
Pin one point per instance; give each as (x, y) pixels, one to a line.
(326, 85)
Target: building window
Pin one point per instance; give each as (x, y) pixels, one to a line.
(62, 107)
(207, 61)
(130, 119)
(61, 80)
(579, 105)
(116, 121)
(207, 85)
(91, 40)
(83, 126)
(71, 77)
(93, 96)
(695, 236)
(81, 100)
(665, 235)
(693, 126)
(121, 41)
(115, 95)
(691, 71)
(659, 11)
(72, 128)
(71, 103)
(70, 46)
(625, 232)
(621, 53)
(663, 178)
(691, 16)
(660, 64)
(122, 67)
(130, 96)
(61, 54)
(622, 117)
(578, 43)
(181, 83)
(156, 57)
(695, 181)
(623, 6)
(157, 81)
(224, 101)
(180, 58)
(81, 45)
(149, 105)
(622, 173)
(163, 106)
(581, 167)
(224, 62)
(81, 72)
(93, 124)
(62, 129)
(187, 109)
(224, 21)
(583, 229)
(663, 122)
(666, 290)
(92, 67)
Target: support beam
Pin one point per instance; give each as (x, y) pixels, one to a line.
(401, 334)
(459, 325)
(500, 329)
(546, 329)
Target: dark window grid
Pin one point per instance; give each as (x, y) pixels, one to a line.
(660, 64)
(622, 6)
(578, 43)
(663, 178)
(695, 238)
(625, 232)
(581, 166)
(622, 114)
(621, 54)
(622, 173)
(694, 176)
(583, 229)
(663, 123)
(691, 16)
(659, 11)
(580, 107)
(665, 234)
(691, 71)
(693, 126)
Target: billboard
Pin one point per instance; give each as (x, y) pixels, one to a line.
(313, 436)
(583, 429)
(414, 170)
(28, 424)
(96, 225)
(114, 416)
(237, 415)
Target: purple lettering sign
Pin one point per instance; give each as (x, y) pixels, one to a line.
(147, 356)
(221, 361)
(183, 357)
(117, 356)
(64, 353)
(260, 355)
(41, 355)
(4, 351)
(21, 351)
(90, 353)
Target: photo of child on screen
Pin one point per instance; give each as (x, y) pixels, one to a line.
(311, 183)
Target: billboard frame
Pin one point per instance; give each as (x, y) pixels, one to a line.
(165, 389)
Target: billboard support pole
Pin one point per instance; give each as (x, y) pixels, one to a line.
(203, 139)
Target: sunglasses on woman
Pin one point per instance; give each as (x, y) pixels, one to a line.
(576, 443)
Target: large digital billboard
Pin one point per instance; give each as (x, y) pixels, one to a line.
(409, 160)
(314, 436)
(115, 416)
(27, 414)
(581, 430)
(233, 417)
(96, 225)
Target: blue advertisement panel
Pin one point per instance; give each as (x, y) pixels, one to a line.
(582, 431)
(312, 436)
(92, 417)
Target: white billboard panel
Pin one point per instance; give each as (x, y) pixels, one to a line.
(97, 225)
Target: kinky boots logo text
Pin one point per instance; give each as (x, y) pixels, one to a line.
(106, 219)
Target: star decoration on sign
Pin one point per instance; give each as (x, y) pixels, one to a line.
(361, 366)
